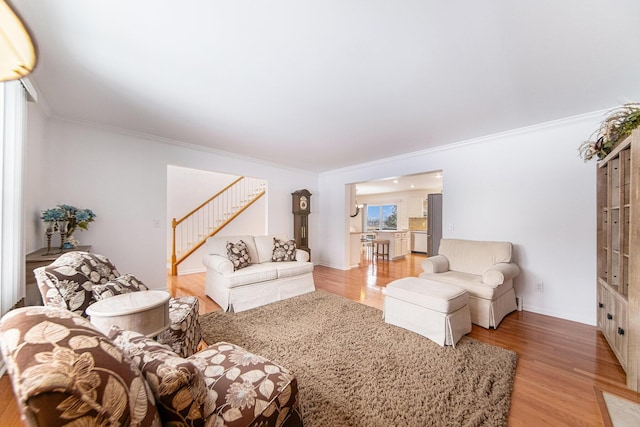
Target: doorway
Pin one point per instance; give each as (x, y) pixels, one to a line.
(402, 196)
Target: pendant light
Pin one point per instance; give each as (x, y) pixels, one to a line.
(17, 47)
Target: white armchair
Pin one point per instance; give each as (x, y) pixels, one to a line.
(484, 269)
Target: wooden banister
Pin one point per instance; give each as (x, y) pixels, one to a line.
(211, 216)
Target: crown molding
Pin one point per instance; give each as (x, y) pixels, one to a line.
(176, 143)
(594, 115)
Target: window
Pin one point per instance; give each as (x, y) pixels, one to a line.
(382, 217)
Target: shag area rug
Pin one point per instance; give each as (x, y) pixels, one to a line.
(353, 369)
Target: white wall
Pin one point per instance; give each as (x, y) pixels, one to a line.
(123, 179)
(528, 187)
(186, 189)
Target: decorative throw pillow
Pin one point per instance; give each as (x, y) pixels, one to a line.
(181, 393)
(121, 285)
(283, 251)
(238, 255)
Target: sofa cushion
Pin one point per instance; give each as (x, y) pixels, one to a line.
(217, 245)
(65, 372)
(428, 294)
(471, 282)
(254, 273)
(182, 396)
(264, 246)
(249, 390)
(283, 250)
(120, 285)
(473, 257)
(293, 268)
(238, 255)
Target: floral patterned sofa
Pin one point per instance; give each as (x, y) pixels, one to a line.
(77, 279)
(66, 373)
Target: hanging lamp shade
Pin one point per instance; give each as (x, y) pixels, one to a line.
(17, 48)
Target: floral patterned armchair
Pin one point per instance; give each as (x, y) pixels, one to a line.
(77, 279)
(65, 372)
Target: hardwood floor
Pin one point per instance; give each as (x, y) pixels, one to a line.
(562, 365)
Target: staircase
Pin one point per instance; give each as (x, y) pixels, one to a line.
(191, 231)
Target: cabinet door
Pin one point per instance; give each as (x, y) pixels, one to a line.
(406, 243)
(397, 246)
(603, 301)
(620, 332)
(610, 325)
(414, 208)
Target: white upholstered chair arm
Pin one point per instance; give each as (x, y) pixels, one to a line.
(301, 255)
(218, 263)
(498, 274)
(435, 264)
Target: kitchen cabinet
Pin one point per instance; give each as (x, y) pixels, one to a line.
(398, 242)
(415, 207)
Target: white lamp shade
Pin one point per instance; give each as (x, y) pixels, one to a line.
(17, 49)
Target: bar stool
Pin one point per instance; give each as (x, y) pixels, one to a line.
(384, 244)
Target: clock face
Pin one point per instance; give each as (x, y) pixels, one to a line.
(303, 203)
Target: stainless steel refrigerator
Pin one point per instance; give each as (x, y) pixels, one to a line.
(434, 223)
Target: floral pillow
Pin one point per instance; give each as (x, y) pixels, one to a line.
(238, 254)
(121, 285)
(283, 251)
(181, 393)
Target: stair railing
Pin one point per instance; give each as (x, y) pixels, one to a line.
(192, 230)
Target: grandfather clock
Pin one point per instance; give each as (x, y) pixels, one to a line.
(301, 211)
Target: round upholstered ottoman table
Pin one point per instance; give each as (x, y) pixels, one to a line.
(146, 312)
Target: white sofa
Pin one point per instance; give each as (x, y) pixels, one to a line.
(260, 283)
(484, 269)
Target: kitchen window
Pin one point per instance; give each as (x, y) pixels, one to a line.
(382, 217)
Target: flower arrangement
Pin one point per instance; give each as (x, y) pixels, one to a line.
(74, 217)
(618, 124)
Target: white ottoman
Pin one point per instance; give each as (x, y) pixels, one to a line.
(436, 311)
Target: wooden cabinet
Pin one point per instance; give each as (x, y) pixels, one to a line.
(618, 256)
(612, 321)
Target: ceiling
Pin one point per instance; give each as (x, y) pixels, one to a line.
(321, 85)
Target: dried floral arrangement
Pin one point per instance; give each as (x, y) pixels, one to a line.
(618, 124)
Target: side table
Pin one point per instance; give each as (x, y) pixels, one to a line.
(146, 312)
(37, 259)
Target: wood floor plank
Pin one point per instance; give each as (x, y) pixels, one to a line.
(559, 362)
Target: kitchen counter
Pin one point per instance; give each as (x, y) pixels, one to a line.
(398, 242)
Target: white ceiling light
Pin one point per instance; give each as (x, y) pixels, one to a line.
(17, 47)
